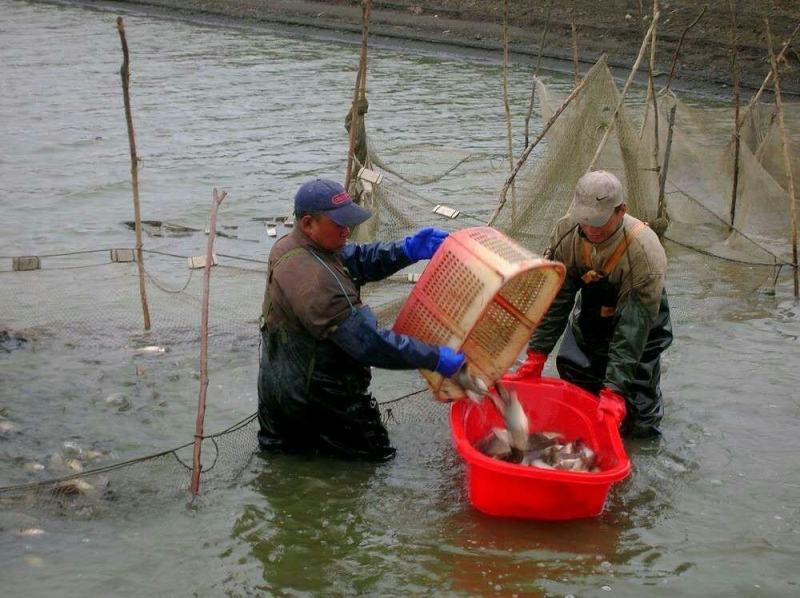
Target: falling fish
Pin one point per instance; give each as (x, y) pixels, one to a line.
(474, 387)
(509, 406)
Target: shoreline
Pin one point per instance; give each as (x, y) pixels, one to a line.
(404, 25)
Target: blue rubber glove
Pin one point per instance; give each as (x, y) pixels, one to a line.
(449, 361)
(424, 243)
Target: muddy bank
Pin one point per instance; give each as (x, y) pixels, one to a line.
(614, 27)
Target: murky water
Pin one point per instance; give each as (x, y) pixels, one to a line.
(711, 509)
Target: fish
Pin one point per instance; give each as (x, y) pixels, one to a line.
(497, 444)
(150, 350)
(474, 387)
(7, 427)
(514, 415)
(118, 400)
(73, 487)
(30, 532)
(74, 465)
(546, 450)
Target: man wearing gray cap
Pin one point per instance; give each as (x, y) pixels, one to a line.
(319, 340)
(614, 290)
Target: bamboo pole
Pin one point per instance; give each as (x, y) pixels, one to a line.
(360, 87)
(124, 73)
(201, 400)
(574, 49)
(502, 199)
(536, 70)
(680, 45)
(786, 161)
(662, 208)
(507, 106)
(769, 76)
(736, 124)
(651, 90)
(635, 68)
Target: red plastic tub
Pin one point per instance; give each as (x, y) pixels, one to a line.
(510, 490)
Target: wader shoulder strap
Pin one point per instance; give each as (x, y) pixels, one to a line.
(267, 307)
(611, 262)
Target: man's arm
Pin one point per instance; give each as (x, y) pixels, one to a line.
(374, 261)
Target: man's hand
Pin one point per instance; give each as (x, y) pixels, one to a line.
(424, 243)
(530, 369)
(611, 404)
(449, 361)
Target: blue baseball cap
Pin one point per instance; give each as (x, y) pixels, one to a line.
(328, 197)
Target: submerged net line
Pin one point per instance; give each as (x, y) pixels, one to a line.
(89, 493)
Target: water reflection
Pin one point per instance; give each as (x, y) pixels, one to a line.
(310, 534)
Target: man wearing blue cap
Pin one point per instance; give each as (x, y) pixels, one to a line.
(319, 340)
(620, 321)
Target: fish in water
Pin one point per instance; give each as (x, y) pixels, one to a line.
(150, 350)
(73, 487)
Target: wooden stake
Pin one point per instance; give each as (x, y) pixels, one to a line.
(786, 161)
(651, 90)
(124, 72)
(575, 50)
(507, 106)
(769, 76)
(680, 44)
(536, 70)
(360, 87)
(201, 401)
(502, 200)
(635, 68)
(662, 207)
(736, 123)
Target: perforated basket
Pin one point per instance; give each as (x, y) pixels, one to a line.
(482, 294)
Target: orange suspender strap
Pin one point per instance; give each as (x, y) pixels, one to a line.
(611, 261)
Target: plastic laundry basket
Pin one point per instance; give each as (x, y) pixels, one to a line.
(482, 294)
(510, 490)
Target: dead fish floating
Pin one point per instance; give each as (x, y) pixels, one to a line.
(150, 350)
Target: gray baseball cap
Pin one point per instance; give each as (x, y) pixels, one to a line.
(596, 195)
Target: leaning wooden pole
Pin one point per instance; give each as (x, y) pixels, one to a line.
(634, 69)
(736, 107)
(504, 191)
(575, 72)
(674, 66)
(769, 76)
(651, 83)
(360, 87)
(124, 72)
(662, 179)
(536, 70)
(507, 106)
(786, 160)
(201, 401)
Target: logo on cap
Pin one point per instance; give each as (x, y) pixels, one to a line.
(340, 198)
